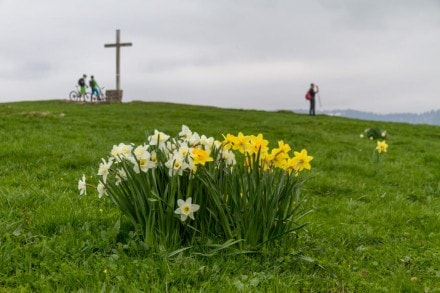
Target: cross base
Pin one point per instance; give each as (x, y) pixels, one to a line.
(113, 96)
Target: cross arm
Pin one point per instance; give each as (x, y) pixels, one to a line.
(118, 45)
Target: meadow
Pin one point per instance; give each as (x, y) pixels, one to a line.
(368, 229)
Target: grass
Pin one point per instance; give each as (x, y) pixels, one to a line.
(368, 232)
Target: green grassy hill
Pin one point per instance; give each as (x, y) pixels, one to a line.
(369, 230)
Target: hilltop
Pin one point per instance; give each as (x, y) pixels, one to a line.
(370, 228)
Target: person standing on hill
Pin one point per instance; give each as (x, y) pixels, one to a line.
(311, 94)
(95, 88)
(82, 86)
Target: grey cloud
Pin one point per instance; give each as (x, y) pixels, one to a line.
(247, 54)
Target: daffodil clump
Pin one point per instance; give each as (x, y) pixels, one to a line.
(193, 189)
(256, 147)
(374, 133)
(378, 135)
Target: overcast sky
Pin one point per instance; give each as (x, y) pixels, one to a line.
(369, 55)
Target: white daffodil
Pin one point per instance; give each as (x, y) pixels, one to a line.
(104, 168)
(126, 150)
(116, 150)
(82, 185)
(184, 150)
(153, 158)
(158, 138)
(121, 151)
(207, 142)
(186, 133)
(145, 163)
(229, 157)
(121, 175)
(217, 144)
(101, 189)
(194, 139)
(176, 164)
(186, 209)
(170, 147)
(141, 151)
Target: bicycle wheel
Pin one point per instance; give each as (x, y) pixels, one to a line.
(87, 97)
(73, 96)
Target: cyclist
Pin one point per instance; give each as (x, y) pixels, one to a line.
(82, 85)
(95, 88)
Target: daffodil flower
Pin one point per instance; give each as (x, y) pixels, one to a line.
(82, 185)
(300, 161)
(176, 164)
(104, 168)
(186, 209)
(186, 133)
(381, 146)
(141, 152)
(200, 156)
(207, 142)
(158, 138)
(101, 189)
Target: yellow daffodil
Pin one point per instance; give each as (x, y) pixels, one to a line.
(228, 141)
(241, 143)
(200, 157)
(381, 147)
(300, 161)
(258, 144)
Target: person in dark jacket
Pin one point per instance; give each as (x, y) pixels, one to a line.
(312, 93)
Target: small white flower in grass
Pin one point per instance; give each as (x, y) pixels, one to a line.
(82, 185)
(101, 189)
(186, 209)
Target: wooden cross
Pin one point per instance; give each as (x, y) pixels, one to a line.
(118, 44)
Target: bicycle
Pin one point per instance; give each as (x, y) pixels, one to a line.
(101, 96)
(75, 95)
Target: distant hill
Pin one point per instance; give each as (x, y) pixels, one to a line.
(430, 117)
